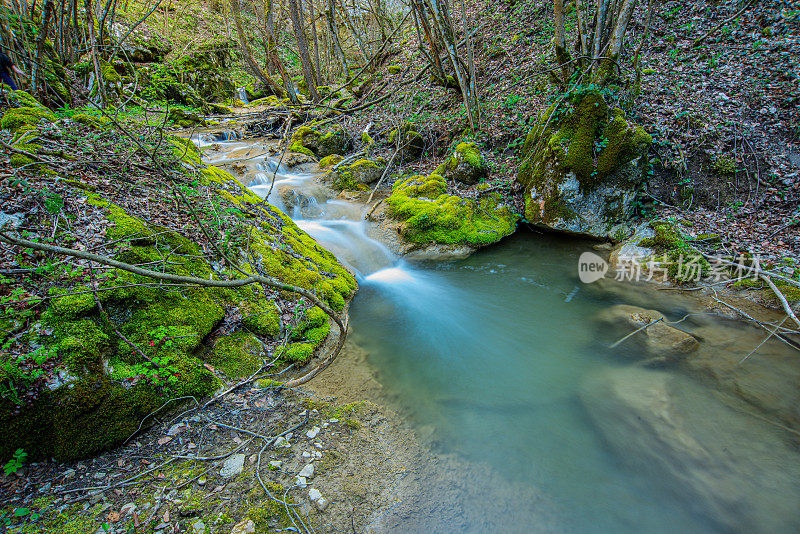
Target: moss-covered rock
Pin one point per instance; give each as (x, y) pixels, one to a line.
(185, 119)
(15, 118)
(582, 163)
(464, 165)
(433, 216)
(307, 140)
(329, 161)
(355, 176)
(99, 123)
(409, 142)
(103, 388)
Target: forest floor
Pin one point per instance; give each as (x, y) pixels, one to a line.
(719, 95)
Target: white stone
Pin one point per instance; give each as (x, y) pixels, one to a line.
(282, 442)
(317, 454)
(199, 528)
(128, 509)
(232, 466)
(333, 420)
(245, 527)
(314, 494)
(318, 445)
(300, 481)
(321, 503)
(313, 432)
(324, 425)
(306, 454)
(307, 471)
(276, 463)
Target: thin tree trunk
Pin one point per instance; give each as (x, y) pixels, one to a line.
(302, 49)
(36, 71)
(255, 68)
(330, 15)
(98, 72)
(435, 53)
(317, 65)
(272, 52)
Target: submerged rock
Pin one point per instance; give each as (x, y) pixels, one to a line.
(660, 340)
(727, 466)
(582, 164)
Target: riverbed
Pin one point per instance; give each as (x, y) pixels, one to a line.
(501, 363)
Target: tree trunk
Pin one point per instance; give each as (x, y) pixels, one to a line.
(254, 67)
(98, 72)
(302, 49)
(317, 65)
(36, 71)
(330, 15)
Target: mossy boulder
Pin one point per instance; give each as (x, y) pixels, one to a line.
(355, 176)
(329, 161)
(464, 165)
(409, 142)
(15, 118)
(185, 119)
(431, 216)
(582, 163)
(103, 388)
(93, 121)
(307, 140)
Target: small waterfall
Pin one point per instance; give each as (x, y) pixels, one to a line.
(242, 92)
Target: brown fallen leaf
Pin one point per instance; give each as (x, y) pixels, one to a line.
(113, 517)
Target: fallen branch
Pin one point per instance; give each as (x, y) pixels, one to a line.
(782, 299)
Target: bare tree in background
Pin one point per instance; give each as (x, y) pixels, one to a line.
(602, 25)
(302, 49)
(244, 46)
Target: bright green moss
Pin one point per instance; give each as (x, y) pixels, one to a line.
(298, 353)
(583, 136)
(329, 161)
(395, 69)
(15, 118)
(24, 99)
(83, 346)
(237, 354)
(262, 318)
(432, 216)
(99, 123)
(300, 149)
(464, 164)
(185, 150)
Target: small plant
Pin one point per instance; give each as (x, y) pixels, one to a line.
(15, 463)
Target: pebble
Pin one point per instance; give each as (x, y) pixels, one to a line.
(317, 454)
(313, 432)
(314, 494)
(232, 466)
(199, 528)
(318, 445)
(290, 435)
(324, 425)
(128, 509)
(300, 481)
(321, 504)
(245, 527)
(307, 471)
(306, 454)
(202, 481)
(276, 463)
(282, 442)
(333, 420)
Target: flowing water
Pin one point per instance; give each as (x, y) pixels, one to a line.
(499, 360)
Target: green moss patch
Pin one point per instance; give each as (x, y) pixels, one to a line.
(433, 216)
